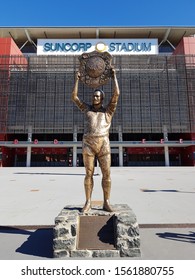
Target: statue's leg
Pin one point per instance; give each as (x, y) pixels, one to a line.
(88, 181)
(105, 162)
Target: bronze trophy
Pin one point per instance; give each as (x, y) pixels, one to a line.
(95, 68)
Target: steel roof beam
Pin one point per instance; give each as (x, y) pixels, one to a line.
(165, 39)
(29, 38)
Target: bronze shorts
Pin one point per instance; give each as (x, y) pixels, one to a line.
(96, 146)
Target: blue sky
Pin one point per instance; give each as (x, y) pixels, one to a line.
(97, 13)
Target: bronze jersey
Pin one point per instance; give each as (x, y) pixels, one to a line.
(97, 121)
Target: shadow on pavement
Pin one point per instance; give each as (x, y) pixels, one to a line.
(39, 242)
(189, 238)
(49, 173)
(170, 191)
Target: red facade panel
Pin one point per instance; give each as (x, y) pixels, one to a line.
(180, 48)
(14, 55)
(186, 46)
(9, 47)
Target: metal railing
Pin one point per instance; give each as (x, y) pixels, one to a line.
(156, 91)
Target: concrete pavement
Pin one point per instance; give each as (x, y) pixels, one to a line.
(161, 197)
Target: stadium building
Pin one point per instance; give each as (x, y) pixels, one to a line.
(154, 124)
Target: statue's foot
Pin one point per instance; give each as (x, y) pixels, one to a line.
(107, 207)
(86, 207)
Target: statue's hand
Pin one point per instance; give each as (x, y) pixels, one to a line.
(113, 72)
(78, 75)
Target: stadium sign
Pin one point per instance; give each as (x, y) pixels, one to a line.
(113, 46)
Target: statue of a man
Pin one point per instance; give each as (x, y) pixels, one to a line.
(96, 139)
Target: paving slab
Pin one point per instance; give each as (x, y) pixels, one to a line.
(162, 198)
(157, 195)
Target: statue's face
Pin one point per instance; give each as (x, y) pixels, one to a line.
(97, 98)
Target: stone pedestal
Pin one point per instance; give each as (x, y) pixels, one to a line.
(125, 227)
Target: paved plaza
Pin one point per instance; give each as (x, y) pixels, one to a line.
(161, 197)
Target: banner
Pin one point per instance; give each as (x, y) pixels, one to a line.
(113, 46)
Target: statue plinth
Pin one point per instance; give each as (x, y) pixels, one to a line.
(99, 234)
(95, 68)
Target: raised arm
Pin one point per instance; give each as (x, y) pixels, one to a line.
(75, 89)
(116, 91)
(80, 104)
(115, 95)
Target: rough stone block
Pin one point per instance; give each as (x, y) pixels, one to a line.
(133, 253)
(125, 230)
(61, 254)
(64, 244)
(61, 232)
(105, 254)
(81, 254)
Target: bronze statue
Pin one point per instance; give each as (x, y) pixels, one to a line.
(96, 138)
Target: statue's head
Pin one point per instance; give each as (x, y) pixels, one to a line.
(98, 96)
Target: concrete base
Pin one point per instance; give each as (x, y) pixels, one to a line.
(126, 233)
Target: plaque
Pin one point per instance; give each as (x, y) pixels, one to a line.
(96, 233)
(95, 68)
